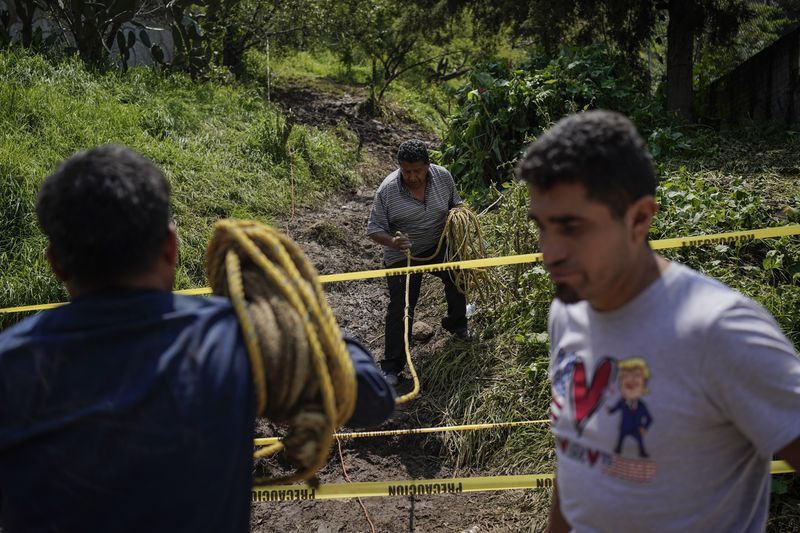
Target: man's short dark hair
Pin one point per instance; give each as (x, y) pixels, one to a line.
(106, 214)
(600, 150)
(412, 151)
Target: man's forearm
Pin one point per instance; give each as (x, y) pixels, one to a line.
(383, 238)
(791, 454)
(375, 397)
(397, 242)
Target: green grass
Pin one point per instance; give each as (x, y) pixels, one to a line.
(419, 100)
(225, 151)
(305, 65)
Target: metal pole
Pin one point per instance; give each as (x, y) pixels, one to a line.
(411, 516)
(268, 72)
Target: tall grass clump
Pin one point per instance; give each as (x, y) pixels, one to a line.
(225, 152)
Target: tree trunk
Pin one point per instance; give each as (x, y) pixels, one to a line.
(680, 42)
(372, 106)
(25, 12)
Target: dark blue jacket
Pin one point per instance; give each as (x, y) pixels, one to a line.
(134, 411)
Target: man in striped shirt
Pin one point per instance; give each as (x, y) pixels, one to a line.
(408, 216)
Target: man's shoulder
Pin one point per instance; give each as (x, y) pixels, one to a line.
(697, 289)
(202, 304)
(11, 335)
(388, 182)
(438, 171)
(700, 307)
(208, 316)
(54, 320)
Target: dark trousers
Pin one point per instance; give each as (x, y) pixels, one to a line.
(394, 359)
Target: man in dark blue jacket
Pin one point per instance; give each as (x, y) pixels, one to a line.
(131, 408)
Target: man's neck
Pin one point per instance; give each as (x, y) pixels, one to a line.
(418, 192)
(149, 281)
(647, 269)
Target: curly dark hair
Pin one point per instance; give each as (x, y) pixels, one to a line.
(106, 214)
(600, 150)
(413, 150)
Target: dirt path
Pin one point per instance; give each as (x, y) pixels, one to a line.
(334, 238)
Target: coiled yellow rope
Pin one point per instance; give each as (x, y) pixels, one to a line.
(301, 369)
(465, 242)
(462, 232)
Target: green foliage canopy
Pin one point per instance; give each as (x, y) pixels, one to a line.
(502, 107)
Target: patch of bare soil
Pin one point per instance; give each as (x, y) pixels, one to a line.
(333, 236)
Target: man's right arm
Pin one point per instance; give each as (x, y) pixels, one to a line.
(399, 242)
(753, 376)
(378, 227)
(375, 397)
(556, 523)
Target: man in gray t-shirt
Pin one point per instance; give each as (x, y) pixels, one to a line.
(671, 391)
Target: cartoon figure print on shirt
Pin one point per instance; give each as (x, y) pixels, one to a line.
(633, 378)
(619, 434)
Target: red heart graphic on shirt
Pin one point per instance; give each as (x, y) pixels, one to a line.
(587, 397)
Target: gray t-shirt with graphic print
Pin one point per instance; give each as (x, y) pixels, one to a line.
(666, 412)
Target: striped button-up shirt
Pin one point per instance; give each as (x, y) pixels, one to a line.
(394, 209)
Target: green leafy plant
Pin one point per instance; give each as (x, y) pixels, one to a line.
(502, 107)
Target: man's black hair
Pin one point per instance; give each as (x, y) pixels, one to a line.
(412, 151)
(601, 150)
(106, 214)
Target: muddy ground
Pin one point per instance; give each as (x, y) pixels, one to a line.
(359, 307)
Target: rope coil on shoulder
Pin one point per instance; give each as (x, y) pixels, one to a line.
(302, 372)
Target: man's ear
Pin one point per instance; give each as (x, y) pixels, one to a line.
(641, 213)
(170, 250)
(55, 266)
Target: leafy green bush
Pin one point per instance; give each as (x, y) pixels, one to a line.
(501, 108)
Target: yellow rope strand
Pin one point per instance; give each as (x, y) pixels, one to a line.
(302, 373)
(414, 391)
(462, 231)
(266, 441)
(248, 330)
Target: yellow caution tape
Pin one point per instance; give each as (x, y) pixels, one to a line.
(661, 244)
(732, 237)
(420, 487)
(781, 467)
(264, 441)
(41, 307)
(35, 307)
